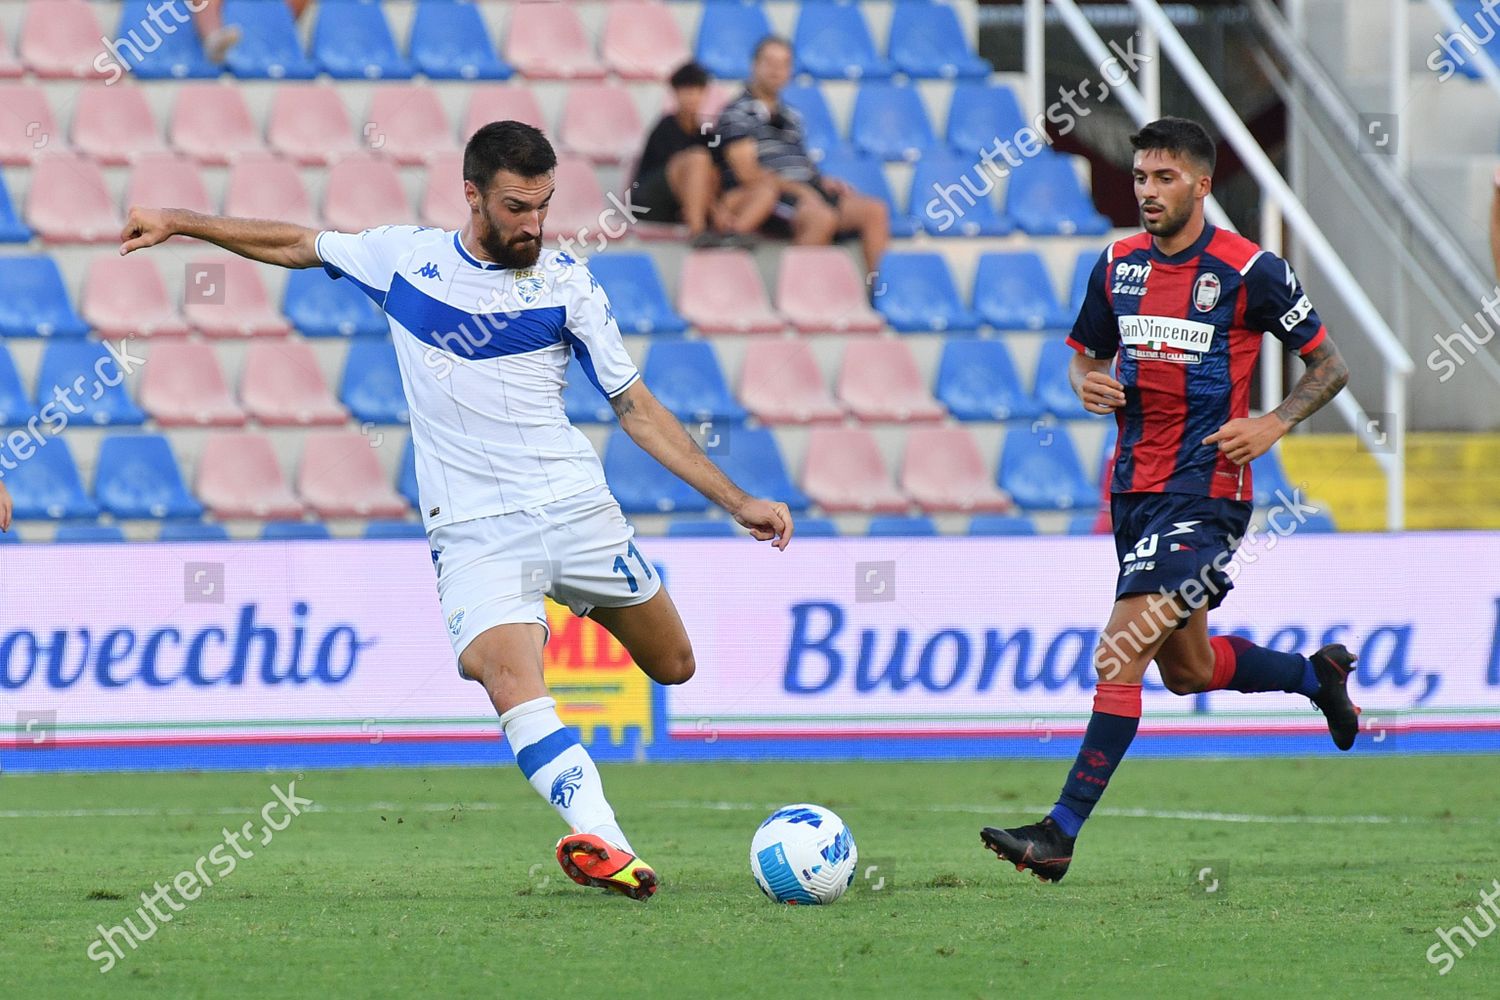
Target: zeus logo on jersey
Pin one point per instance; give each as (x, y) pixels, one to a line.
(565, 784)
(1130, 279)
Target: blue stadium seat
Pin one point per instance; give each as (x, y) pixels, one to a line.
(1046, 198)
(268, 48)
(34, 301)
(137, 476)
(642, 485)
(192, 531)
(977, 380)
(753, 459)
(406, 482)
(927, 41)
(867, 176)
(701, 527)
(916, 294)
(46, 485)
(1039, 469)
(88, 534)
(12, 229)
(818, 126)
(449, 42)
(1082, 524)
(176, 56)
(980, 113)
(1319, 523)
(952, 196)
(581, 401)
(996, 525)
(351, 41)
(1469, 13)
(726, 37)
(1013, 291)
(1081, 271)
(371, 386)
(16, 406)
(1107, 450)
(902, 527)
(1052, 388)
(686, 377)
(65, 362)
(890, 122)
(815, 527)
(1268, 477)
(281, 531)
(320, 306)
(395, 529)
(636, 294)
(833, 43)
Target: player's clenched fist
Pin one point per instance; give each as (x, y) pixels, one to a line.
(146, 227)
(767, 521)
(1100, 393)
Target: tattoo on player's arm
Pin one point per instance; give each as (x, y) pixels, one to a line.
(1326, 374)
(624, 405)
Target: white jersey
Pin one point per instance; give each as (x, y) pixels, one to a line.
(483, 352)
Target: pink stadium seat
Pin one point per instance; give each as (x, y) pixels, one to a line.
(281, 384)
(780, 383)
(60, 39)
(265, 186)
(182, 385)
(212, 123)
(114, 125)
(10, 66)
(547, 41)
(238, 476)
(642, 41)
(125, 296)
(340, 476)
(721, 292)
(69, 202)
(818, 289)
(309, 124)
(879, 380)
(599, 121)
(497, 102)
(168, 179)
(241, 308)
(363, 191)
(27, 127)
(942, 470)
(844, 472)
(407, 122)
(578, 207)
(443, 201)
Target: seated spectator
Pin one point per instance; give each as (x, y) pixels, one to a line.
(763, 150)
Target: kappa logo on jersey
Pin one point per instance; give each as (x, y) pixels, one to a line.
(564, 785)
(1130, 279)
(427, 270)
(1206, 292)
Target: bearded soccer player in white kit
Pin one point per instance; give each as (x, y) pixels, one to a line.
(513, 497)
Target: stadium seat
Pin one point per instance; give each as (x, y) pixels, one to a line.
(60, 39)
(641, 41)
(916, 294)
(844, 471)
(16, 406)
(238, 476)
(263, 185)
(1082, 269)
(33, 300)
(1317, 523)
(816, 527)
(901, 527)
(818, 289)
(371, 384)
(1269, 483)
(867, 176)
(727, 35)
(701, 527)
(69, 201)
(878, 380)
(10, 64)
(397, 529)
(599, 121)
(340, 476)
(547, 41)
(1039, 469)
(1001, 525)
(977, 380)
(47, 485)
(269, 48)
(114, 125)
(781, 383)
(168, 179)
(406, 479)
(1053, 390)
(752, 459)
(494, 102)
(309, 124)
(443, 203)
(950, 196)
(832, 42)
(12, 229)
(407, 121)
(579, 206)
(241, 308)
(283, 385)
(352, 41)
(642, 485)
(1046, 198)
(928, 42)
(320, 306)
(636, 294)
(71, 365)
(212, 124)
(192, 531)
(686, 378)
(720, 291)
(978, 114)
(88, 534)
(1013, 291)
(1082, 524)
(27, 128)
(294, 531)
(364, 191)
(140, 48)
(449, 42)
(942, 470)
(583, 403)
(1471, 14)
(818, 128)
(137, 476)
(184, 386)
(889, 122)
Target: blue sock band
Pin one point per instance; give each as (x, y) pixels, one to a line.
(544, 751)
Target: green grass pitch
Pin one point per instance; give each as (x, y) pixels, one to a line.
(1333, 875)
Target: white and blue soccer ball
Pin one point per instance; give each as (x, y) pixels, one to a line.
(803, 854)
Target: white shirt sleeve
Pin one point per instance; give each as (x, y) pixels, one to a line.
(368, 258)
(593, 335)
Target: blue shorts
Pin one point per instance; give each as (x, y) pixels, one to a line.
(1165, 540)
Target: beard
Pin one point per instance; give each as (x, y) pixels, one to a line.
(1169, 224)
(515, 253)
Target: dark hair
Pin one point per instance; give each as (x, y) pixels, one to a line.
(509, 145)
(689, 74)
(1181, 136)
(766, 42)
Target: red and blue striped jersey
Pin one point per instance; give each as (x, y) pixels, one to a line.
(1190, 326)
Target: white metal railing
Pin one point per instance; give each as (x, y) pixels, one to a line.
(1386, 443)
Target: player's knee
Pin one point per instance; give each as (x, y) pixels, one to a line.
(677, 667)
(1183, 679)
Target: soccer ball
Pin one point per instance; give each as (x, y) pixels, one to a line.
(803, 854)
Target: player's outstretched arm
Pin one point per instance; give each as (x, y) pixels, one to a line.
(280, 243)
(651, 426)
(1247, 438)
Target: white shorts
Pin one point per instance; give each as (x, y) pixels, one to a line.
(497, 570)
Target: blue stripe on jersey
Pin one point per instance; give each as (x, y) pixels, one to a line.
(473, 335)
(374, 293)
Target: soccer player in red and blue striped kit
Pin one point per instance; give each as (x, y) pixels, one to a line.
(1178, 313)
